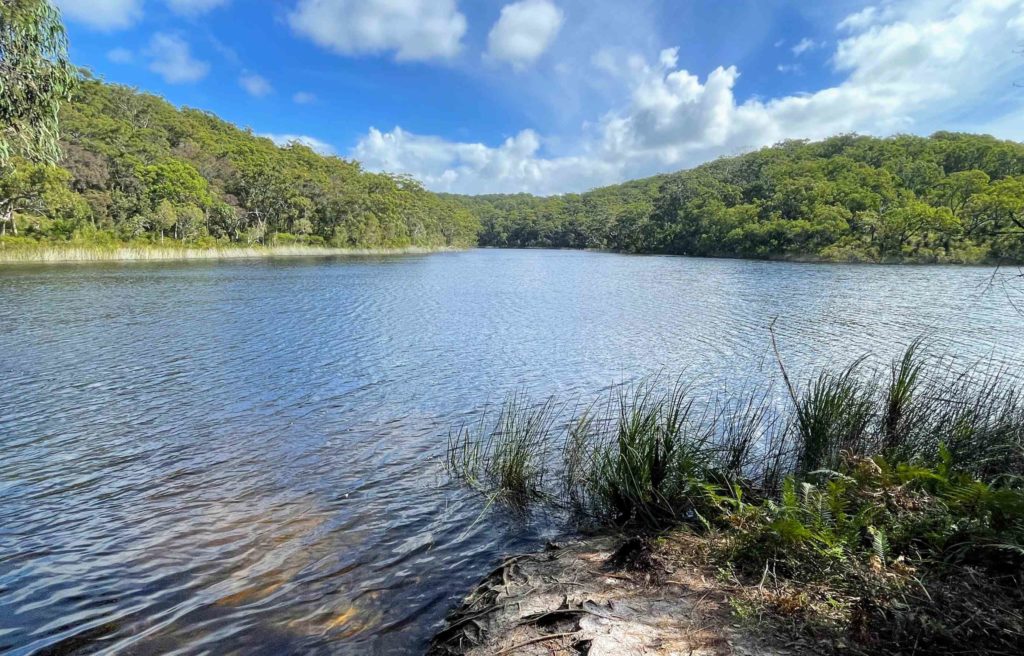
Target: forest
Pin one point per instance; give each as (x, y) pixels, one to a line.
(949, 197)
(135, 169)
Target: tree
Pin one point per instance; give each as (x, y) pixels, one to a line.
(190, 222)
(176, 181)
(35, 77)
(25, 189)
(164, 217)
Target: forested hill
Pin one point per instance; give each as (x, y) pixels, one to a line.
(135, 168)
(945, 198)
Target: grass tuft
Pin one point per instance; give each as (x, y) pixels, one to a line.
(880, 501)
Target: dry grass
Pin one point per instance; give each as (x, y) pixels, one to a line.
(70, 254)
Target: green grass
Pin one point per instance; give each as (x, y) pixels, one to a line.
(889, 499)
(508, 457)
(652, 455)
(652, 467)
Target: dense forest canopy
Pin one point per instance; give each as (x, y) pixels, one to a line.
(946, 198)
(136, 168)
(133, 168)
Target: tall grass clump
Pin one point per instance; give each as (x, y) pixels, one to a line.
(507, 458)
(895, 492)
(833, 416)
(649, 452)
(652, 468)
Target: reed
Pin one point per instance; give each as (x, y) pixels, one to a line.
(71, 254)
(508, 458)
(883, 505)
(653, 455)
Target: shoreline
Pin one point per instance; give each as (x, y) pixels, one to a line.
(601, 596)
(85, 254)
(783, 259)
(59, 254)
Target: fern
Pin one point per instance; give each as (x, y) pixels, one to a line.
(879, 544)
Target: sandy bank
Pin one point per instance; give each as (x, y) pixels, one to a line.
(597, 597)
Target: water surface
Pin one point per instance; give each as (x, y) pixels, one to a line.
(242, 457)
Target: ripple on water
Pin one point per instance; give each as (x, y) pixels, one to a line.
(243, 456)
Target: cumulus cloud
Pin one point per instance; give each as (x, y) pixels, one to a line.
(282, 140)
(915, 70)
(412, 29)
(194, 7)
(255, 85)
(474, 167)
(524, 31)
(303, 98)
(171, 57)
(102, 14)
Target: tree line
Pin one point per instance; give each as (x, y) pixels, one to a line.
(86, 161)
(950, 197)
(132, 167)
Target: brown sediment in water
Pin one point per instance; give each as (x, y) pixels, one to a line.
(599, 597)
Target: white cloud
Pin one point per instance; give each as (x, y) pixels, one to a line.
(866, 17)
(283, 140)
(920, 69)
(102, 14)
(669, 57)
(524, 31)
(475, 168)
(121, 56)
(171, 58)
(303, 98)
(255, 85)
(194, 7)
(412, 29)
(804, 45)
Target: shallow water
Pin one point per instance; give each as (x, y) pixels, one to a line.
(243, 456)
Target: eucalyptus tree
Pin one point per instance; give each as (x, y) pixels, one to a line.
(35, 77)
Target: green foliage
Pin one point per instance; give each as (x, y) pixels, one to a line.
(39, 191)
(141, 169)
(945, 198)
(654, 469)
(507, 458)
(873, 512)
(832, 417)
(868, 468)
(35, 77)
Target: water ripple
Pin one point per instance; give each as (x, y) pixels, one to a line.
(242, 457)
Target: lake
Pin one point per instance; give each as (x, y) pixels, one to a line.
(245, 456)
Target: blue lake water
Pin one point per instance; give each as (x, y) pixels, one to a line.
(244, 456)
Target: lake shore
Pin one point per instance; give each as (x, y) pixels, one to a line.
(605, 596)
(48, 254)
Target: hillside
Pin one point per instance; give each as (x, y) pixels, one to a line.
(945, 198)
(137, 169)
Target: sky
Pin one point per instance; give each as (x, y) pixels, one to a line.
(557, 96)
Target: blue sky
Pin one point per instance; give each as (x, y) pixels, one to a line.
(550, 96)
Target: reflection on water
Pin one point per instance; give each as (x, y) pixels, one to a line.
(243, 456)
